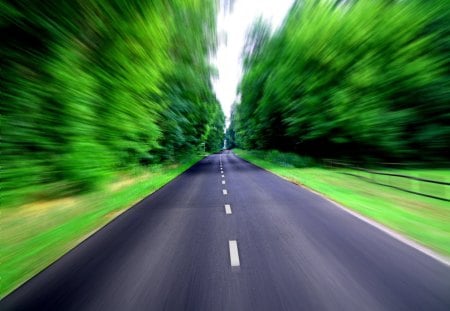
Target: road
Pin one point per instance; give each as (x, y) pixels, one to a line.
(263, 244)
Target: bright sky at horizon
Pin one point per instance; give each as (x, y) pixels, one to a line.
(232, 28)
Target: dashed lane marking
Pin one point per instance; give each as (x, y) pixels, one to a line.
(234, 254)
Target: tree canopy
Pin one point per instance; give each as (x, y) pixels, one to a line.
(90, 87)
(353, 78)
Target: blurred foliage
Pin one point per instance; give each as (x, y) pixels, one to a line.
(90, 87)
(284, 159)
(349, 78)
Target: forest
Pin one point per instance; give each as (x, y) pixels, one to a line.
(365, 79)
(92, 87)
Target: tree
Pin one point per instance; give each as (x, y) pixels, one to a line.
(367, 78)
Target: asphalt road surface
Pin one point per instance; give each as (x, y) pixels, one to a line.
(243, 239)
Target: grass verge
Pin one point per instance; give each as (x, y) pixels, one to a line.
(422, 219)
(35, 235)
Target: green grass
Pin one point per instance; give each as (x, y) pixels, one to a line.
(420, 218)
(35, 235)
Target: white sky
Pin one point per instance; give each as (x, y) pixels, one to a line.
(231, 28)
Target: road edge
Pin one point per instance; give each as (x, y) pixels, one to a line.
(87, 236)
(396, 235)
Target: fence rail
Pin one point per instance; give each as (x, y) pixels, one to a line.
(439, 191)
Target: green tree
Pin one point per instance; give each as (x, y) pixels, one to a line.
(360, 78)
(90, 87)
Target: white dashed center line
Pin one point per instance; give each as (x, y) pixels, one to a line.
(232, 244)
(234, 255)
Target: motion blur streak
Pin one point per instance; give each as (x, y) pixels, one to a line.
(90, 87)
(367, 78)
